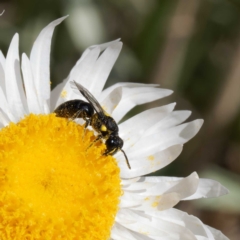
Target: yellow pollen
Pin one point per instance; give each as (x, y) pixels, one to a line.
(51, 187)
(63, 94)
(104, 108)
(154, 204)
(151, 157)
(105, 111)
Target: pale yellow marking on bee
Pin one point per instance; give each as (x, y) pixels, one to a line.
(103, 128)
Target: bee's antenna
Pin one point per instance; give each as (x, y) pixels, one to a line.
(126, 158)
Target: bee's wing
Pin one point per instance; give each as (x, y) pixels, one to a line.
(91, 99)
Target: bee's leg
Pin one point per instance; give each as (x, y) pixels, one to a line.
(110, 152)
(85, 126)
(87, 123)
(96, 140)
(74, 116)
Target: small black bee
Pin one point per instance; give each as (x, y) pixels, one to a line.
(103, 124)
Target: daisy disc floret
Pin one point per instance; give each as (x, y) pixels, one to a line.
(54, 186)
(48, 179)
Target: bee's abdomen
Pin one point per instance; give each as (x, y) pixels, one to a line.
(69, 108)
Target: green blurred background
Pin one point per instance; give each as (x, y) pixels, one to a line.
(190, 46)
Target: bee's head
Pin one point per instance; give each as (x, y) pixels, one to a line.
(114, 142)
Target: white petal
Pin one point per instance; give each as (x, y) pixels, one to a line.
(119, 233)
(103, 67)
(170, 120)
(148, 123)
(5, 108)
(93, 75)
(107, 91)
(181, 218)
(149, 196)
(2, 60)
(112, 100)
(164, 139)
(214, 233)
(149, 146)
(40, 58)
(31, 93)
(144, 120)
(4, 120)
(153, 227)
(126, 182)
(55, 100)
(183, 186)
(81, 73)
(192, 223)
(1, 124)
(14, 88)
(136, 96)
(91, 70)
(149, 203)
(102, 47)
(2, 72)
(208, 188)
(144, 164)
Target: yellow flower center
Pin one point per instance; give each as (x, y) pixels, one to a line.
(52, 186)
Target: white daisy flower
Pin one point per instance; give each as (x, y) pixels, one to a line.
(54, 186)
